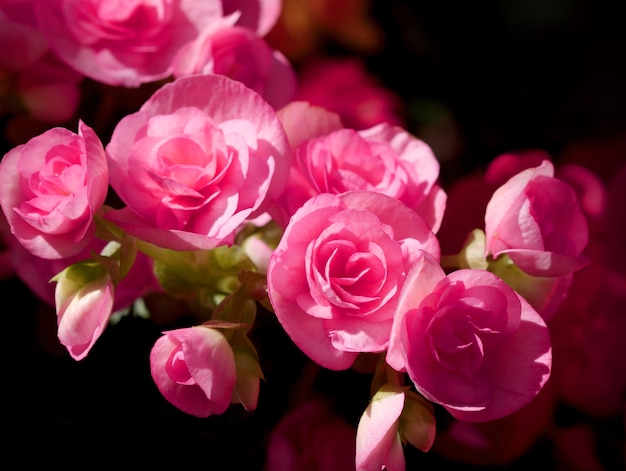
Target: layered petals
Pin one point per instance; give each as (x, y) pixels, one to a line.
(194, 369)
(335, 276)
(202, 155)
(473, 345)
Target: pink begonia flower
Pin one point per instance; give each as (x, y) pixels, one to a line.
(335, 276)
(344, 87)
(201, 156)
(378, 444)
(239, 53)
(384, 158)
(469, 195)
(84, 305)
(51, 187)
(45, 85)
(123, 43)
(194, 369)
(536, 220)
(311, 436)
(471, 343)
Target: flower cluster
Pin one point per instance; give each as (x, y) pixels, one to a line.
(237, 193)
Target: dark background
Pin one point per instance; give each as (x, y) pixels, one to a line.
(478, 79)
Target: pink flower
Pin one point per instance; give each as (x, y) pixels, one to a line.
(536, 220)
(384, 159)
(194, 369)
(201, 156)
(378, 443)
(311, 436)
(123, 43)
(471, 343)
(239, 53)
(51, 188)
(84, 298)
(345, 87)
(335, 276)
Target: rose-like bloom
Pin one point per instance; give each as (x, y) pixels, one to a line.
(84, 298)
(239, 53)
(384, 158)
(335, 276)
(536, 220)
(201, 156)
(194, 369)
(50, 189)
(311, 436)
(471, 343)
(123, 43)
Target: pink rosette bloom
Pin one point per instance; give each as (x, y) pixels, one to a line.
(378, 444)
(471, 343)
(123, 43)
(51, 188)
(385, 159)
(335, 276)
(201, 156)
(311, 436)
(537, 221)
(83, 311)
(239, 53)
(194, 369)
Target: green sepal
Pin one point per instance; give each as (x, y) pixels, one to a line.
(473, 253)
(417, 424)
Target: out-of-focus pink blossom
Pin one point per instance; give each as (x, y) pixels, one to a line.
(51, 188)
(239, 53)
(384, 159)
(194, 369)
(471, 343)
(588, 335)
(378, 443)
(536, 220)
(202, 155)
(45, 85)
(335, 276)
(311, 436)
(344, 87)
(84, 297)
(123, 43)
(502, 441)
